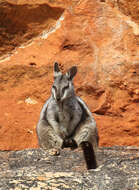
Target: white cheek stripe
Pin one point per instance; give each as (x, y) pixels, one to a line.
(64, 95)
(70, 84)
(53, 92)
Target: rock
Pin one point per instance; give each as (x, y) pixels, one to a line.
(30, 101)
(96, 36)
(20, 22)
(128, 7)
(36, 169)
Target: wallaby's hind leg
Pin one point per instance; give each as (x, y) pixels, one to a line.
(47, 137)
(89, 155)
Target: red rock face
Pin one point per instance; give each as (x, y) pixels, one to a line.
(128, 7)
(21, 23)
(103, 43)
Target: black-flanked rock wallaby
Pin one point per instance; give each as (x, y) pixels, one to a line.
(65, 120)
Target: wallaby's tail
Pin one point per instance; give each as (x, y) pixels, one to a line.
(89, 155)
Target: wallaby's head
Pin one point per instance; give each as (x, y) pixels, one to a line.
(63, 87)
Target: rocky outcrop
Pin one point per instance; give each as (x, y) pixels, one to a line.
(36, 169)
(19, 23)
(97, 37)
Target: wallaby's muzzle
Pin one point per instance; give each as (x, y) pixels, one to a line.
(58, 98)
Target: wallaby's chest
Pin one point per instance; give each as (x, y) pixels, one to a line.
(66, 115)
(63, 114)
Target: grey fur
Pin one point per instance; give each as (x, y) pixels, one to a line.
(65, 116)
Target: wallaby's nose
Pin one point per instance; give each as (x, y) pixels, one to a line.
(58, 98)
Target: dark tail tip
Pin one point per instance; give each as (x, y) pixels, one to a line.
(89, 155)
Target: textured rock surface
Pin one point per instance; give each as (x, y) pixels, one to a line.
(20, 23)
(36, 169)
(128, 7)
(102, 42)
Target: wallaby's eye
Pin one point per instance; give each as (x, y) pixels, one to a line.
(65, 88)
(54, 87)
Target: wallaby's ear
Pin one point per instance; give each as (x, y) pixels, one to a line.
(72, 72)
(56, 70)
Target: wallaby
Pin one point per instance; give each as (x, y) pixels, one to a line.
(65, 120)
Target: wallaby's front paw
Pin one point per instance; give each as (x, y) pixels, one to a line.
(65, 143)
(69, 143)
(74, 144)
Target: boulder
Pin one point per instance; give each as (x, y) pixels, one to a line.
(36, 169)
